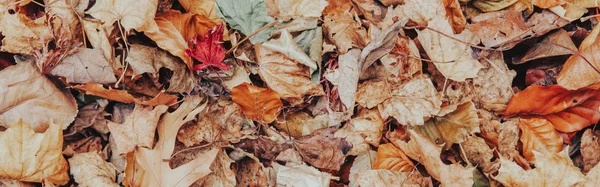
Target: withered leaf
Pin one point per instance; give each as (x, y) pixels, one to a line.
(137, 130)
(259, 104)
(391, 158)
(89, 169)
(87, 65)
(453, 127)
(123, 96)
(322, 149)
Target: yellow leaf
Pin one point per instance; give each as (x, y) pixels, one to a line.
(33, 157)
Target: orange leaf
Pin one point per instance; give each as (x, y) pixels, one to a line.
(124, 96)
(567, 110)
(539, 135)
(391, 158)
(259, 104)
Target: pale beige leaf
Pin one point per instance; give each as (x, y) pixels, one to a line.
(300, 123)
(90, 170)
(98, 35)
(452, 58)
(6, 182)
(412, 102)
(222, 174)
(494, 95)
(87, 65)
(479, 154)
(362, 131)
(363, 162)
(293, 9)
(372, 92)
(137, 130)
(26, 91)
(593, 177)
(23, 35)
(222, 122)
(68, 25)
(391, 178)
(342, 28)
(590, 149)
(453, 127)
(143, 59)
(577, 72)
(422, 12)
(556, 44)
(131, 14)
(346, 76)
(300, 176)
(33, 157)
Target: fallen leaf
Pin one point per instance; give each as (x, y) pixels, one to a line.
(287, 46)
(87, 65)
(556, 44)
(537, 134)
(259, 104)
(98, 35)
(250, 172)
(567, 110)
(362, 163)
(490, 6)
(68, 25)
(143, 59)
(23, 35)
(147, 166)
(33, 157)
(130, 14)
(300, 123)
(362, 131)
(452, 58)
(590, 147)
(380, 45)
(123, 96)
(322, 149)
(346, 76)
(137, 130)
(300, 176)
(424, 12)
(592, 176)
(580, 69)
(26, 91)
(381, 177)
(545, 21)
(494, 95)
(391, 158)
(372, 92)
(89, 169)
(246, 16)
(548, 3)
(412, 102)
(296, 9)
(454, 127)
(500, 30)
(428, 154)
(404, 58)
(208, 50)
(342, 28)
(479, 153)
(222, 174)
(545, 173)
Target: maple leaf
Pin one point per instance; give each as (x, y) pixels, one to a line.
(208, 49)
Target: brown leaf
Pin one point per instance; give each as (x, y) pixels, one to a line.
(259, 104)
(580, 69)
(87, 65)
(25, 91)
(362, 131)
(423, 12)
(545, 21)
(89, 144)
(567, 110)
(503, 31)
(454, 127)
(490, 6)
(346, 76)
(137, 130)
(89, 169)
(98, 36)
(300, 175)
(322, 150)
(391, 158)
(401, 60)
(412, 102)
(143, 59)
(590, 149)
(123, 96)
(548, 3)
(33, 157)
(556, 44)
(390, 178)
(537, 134)
(250, 173)
(479, 153)
(372, 92)
(494, 95)
(342, 28)
(111, 11)
(300, 123)
(24, 35)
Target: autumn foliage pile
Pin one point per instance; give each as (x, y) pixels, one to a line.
(303, 93)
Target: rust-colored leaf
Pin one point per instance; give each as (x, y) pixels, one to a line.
(567, 110)
(391, 158)
(259, 104)
(123, 96)
(537, 134)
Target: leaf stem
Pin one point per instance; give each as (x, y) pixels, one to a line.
(248, 37)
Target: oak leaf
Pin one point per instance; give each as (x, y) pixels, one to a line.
(259, 104)
(123, 96)
(580, 69)
(567, 110)
(33, 157)
(90, 169)
(537, 134)
(137, 130)
(389, 157)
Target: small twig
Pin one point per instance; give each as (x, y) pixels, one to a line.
(249, 36)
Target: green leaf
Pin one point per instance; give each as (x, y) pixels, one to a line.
(246, 16)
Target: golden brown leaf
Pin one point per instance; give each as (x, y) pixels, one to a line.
(590, 149)
(137, 130)
(493, 95)
(131, 14)
(567, 110)
(341, 28)
(33, 157)
(123, 96)
(391, 158)
(580, 69)
(322, 149)
(300, 123)
(453, 127)
(90, 169)
(259, 104)
(391, 178)
(500, 30)
(86, 65)
(555, 44)
(548, 3)
(537, 134)
(23, 35)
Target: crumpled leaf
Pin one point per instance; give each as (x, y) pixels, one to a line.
(301, 123)
(23, 35)
(380, 45)
(590, 147)
(89, 115)
(131, 14)
(382, 177)
(123, 96)
(246, 16)
(33, 157)
(453, 127)
(222, 175)
(295, 9)
(452, 58)
(567, 110)
(553, 45)
(411, 102)
(362, 131)
(577, 72)
(26, 91)
(424, 11)
(208, 50)
(89, 169)
(346, 76)
(250, 172)
(286, 75)
(494, 95)
(389, 157)
(287, 46)
(146, 167)
(404, 58)
(342, 28)
(322, 149)
(537, 134)
(479, 153)
(259, 104)
(545, 172)
(372, 92)
(300, 175)
(500, 30)
(137, 130)
(428, 154)
(362, 163)
(98, 37)
(87, 65)
(492, 5)
(144, 59)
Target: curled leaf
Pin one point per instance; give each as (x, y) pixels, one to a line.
(391, 158)
(259, 104)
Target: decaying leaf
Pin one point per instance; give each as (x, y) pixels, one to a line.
(404, 59)
(33, 157)
(129, 13)
(89, 169)
(389, 157)
(590, 148)
(25, 92)
(555, 44)
(123, 96)
(22, 34)
(137, 130)
(362, 163)
(423, 12)
(537, 134)
(322, 149)
(494, 95)
(362, 131)
(500, 30)
(143, 59)
(342, 28)
(300, 123)
(300, 176)
(246, 16)
(286, 10)
(479, 153)
(260, 104)
(453, 127)
(87, 65)
(346, 76)
(581, 69)
(382, 177)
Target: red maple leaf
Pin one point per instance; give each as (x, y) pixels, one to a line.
(208, 49)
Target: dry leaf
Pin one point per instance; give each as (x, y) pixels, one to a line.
(494, 95)
(342, 28)
(250, 172)
(590, 148)
(423, 12)
(404, 59)
(137, 130)
(87, 65)
(246, 16)
(580, 69)
(322, 149)
(147, 167)
(300, 176)
(391, 158)
(479, 153)
(412, 102)
(143, 59)
(259, 104)
(592, 177)
(26, 92)
(89, 144)
(33, 157)
(452, 58)
(489, 6)
(552, 169)
(372, 92)
(556, 44)
(23, 35)
(123, 96)
(500, 30)
(454, 127)
(286, 10)
(208, 49)
(567, 110)
(98, 36)
(363, 162)
(346, 76)
(222, 174)
(362, 131)
(391, 178)
(130, 14)
(537, 134)
(428, 154)
(89, 169)
(222, 122)
(300, 123)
